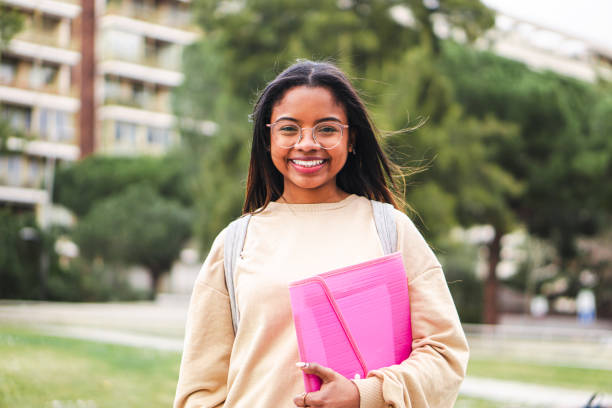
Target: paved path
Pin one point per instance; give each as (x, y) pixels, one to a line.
(512, 392)
(160, 325)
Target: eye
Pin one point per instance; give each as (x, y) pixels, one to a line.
(288, 129)
(327, 129)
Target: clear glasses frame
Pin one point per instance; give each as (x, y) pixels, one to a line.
(313, 133)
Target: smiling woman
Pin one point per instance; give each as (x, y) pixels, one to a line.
(309, 168)
(315, 173)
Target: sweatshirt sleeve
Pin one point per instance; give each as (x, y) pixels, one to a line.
(431, 376)
(209, 336)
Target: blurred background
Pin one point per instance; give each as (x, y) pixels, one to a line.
(124, 145)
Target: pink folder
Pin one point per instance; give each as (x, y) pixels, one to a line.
(354, 319)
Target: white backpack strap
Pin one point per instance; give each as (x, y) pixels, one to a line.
(234, 242)
(385, 225)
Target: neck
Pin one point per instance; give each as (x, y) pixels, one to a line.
(313, 197)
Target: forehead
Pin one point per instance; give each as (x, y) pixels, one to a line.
(306, 103)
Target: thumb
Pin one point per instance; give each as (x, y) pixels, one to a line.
(324, 373)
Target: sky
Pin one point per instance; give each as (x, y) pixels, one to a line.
(586, 19)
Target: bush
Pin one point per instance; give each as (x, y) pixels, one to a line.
(459, 263)
(20, 248)
(81, 281)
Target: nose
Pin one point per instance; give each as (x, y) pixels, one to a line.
(307, 141)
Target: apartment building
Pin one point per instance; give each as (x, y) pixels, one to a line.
(87, 76)
(139, 46)
(38, 99)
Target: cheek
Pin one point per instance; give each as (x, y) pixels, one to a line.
(278, 159)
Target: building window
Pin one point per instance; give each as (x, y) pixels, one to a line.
(55, 125)
(43, 124)
(14, 170)
(34, 173)
(158, 136)
(8, 70)
(125, 133)
(18, 117)
(49, 24)
(64, 126)
(123, 45)
(43, 75)
(138, 94)
(112, 89)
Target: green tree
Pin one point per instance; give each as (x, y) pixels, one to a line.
(135, 227)
(80, 185)
(471, 17)
(464, 184)
(11, 23)
(20, 246)
(563, 151)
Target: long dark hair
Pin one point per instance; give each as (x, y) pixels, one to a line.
(367, 173)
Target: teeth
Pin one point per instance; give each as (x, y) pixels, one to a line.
(308, 163)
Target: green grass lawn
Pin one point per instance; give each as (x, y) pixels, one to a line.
(51, 372)
(564, 377)
(43, 371)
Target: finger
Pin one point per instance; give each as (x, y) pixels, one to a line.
(299, 400)
(324, 373)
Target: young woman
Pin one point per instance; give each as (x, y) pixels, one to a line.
(315, 164)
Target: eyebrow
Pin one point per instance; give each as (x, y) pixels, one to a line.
(325, 119)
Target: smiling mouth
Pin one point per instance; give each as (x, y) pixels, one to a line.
(307, 163)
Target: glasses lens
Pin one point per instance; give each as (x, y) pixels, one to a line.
(328, 134)
(285, 133)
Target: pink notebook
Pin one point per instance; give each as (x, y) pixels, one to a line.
(354, 319)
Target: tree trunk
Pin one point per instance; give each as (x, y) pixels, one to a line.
(155, 278)
(491, 311)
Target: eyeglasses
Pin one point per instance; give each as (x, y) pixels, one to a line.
(288, 134)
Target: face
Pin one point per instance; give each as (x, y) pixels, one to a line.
(309, 171)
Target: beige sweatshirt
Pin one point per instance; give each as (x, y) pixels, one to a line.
(287, 242)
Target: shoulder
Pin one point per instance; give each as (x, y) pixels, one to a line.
(212, 272)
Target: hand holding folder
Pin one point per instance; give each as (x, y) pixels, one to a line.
(354, 319)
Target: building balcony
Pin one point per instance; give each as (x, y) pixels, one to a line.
(43, 148)
(136, 116)
(149, 104)
(148, 29)
(165, 15)
(23, 46)
(22, 195)
(50, 39)
(156, 58)
(141, 72)
(60, 8)
(28, 97)
(153, 119)
(24, 85)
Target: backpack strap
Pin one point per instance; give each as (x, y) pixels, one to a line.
(234, 242)
(385, 225)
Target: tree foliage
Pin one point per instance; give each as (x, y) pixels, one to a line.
(20, 247)
(80, 185)
(11, 23)
(135, 227)
(563, 152)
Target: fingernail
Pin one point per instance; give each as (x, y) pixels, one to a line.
(301, 364)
